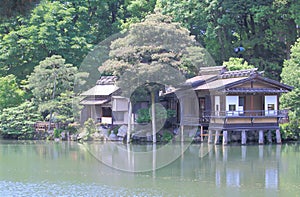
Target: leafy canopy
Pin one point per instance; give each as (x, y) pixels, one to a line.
(52, 83)
(19, 120)
(291, 76)
(10, 93)
(237, 64)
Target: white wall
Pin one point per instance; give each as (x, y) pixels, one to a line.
(232, 100)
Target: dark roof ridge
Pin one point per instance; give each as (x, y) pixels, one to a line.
(107, 80)
(239, 73)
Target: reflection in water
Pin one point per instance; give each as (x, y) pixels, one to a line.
(270, 170)
(271, 178)
(232, 177)
(136, 158)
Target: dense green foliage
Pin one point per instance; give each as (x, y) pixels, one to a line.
(31, 31)
(291, 76)
(266, 29)
(16, 121)
(52, 84)
(237, 64)
(10, 93)
(144, 115)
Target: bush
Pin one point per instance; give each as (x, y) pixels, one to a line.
(144, 115)
(73, 128)
(20, 120)
(57, 133)
(167, 136)
(288, 132)
(90, 126)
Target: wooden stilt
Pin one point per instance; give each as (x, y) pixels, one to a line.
(278, 136)
(217, 137)
(201, 133)
(225, 137)
(210, 137)
(261, 137)
(244, 137)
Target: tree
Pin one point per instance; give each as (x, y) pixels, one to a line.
(19, 120)
(52, 83)
(133, 11)
(153, 53)
(266, 29)
(10, 8)
(290, 75)
(237, 64)
(10, 93)
(69, 28)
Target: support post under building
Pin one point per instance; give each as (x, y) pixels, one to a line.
(261, 137)
(210, 137)
(278, 136)
(244, 137)
(217, 137)
(225, 137)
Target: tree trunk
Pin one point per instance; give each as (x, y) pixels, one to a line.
(129, 127)
(153, 116)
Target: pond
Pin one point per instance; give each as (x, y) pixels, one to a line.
(38, 168)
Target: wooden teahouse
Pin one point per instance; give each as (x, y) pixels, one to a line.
(232, 102)
(103, 104)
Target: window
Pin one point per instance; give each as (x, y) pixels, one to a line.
(106, 112)
(232, 103)
(271, 106)
(202, 103)
(241, 101)
(232, 107)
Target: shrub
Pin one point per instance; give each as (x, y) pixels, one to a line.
(288, 132)
(20, 120)
(167, 136)
(144, 115)
(90, 126)
(57, 133)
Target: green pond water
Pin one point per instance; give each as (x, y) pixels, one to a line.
(37, 168)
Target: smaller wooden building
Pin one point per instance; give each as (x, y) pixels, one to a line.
(232, 102)
(102, 104)
(105, 105)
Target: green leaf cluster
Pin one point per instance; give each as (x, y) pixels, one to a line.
(15, 121)
(291, 76)
(237, 64)
(10, 93)
(144, 115)
(52, 83)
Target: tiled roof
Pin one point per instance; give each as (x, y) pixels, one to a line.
(238, 73)
(107, 80)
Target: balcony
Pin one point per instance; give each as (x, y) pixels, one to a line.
(249, 119)
(248, 114)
